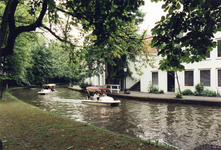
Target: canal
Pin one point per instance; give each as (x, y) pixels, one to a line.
(181, 126)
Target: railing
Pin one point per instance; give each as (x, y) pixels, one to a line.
(113, 87)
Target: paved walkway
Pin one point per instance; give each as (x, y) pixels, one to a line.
(166, 97)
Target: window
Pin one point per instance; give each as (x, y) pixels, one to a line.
(155, 78)
(208, 54)
(189, 78)
(219, 48)
(219, 77)
(205, 77)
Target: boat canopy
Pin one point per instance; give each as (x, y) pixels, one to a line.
(49, 85)
(94, 88)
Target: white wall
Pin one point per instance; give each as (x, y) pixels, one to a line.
(213, 64)
(97, 80)
(130, 81)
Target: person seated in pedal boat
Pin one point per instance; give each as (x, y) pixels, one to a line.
(96, 96)
(102, 94)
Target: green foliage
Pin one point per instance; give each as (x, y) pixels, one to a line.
(187, 92)
(161, 92)
(199, 89)
(111, 23)
(179, 95)
(47, 62)
(156, 92)
(185, 34)
(209, 93)
(151, 88)
(41, 64)
(101, 18)
(122, 46)
(60, 62)
(14, 66)
(201, 92)
(83, 85)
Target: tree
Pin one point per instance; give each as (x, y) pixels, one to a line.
(122, 46)
(41, 64)
(102, 16)
(185, 34)
(14, 66)
(48, 62)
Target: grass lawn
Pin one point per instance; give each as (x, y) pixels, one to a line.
(25, 127)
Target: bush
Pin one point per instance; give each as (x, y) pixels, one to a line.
(161, 91)
(199, 88)
(196, 93)
(156, 92)
(84, 85)
(179, 95)
(151, 88)
(209, 93)
(187, 92)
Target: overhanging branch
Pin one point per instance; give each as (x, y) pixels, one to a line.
(58, 37)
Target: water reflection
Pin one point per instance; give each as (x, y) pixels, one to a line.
(183, 126)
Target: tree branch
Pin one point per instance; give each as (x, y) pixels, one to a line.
(56, 36)
(13, 31)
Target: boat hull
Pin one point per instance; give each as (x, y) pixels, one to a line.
(43, 92)
(91, 102)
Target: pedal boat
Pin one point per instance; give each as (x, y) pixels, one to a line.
(48, 89)
(103, 100)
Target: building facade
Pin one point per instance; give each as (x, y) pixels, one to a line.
(207, 72)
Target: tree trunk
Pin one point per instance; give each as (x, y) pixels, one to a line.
(178, 83)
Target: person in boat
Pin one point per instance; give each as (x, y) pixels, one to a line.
(102, 94)
(52, 89)
(89, 95)
(96, 95)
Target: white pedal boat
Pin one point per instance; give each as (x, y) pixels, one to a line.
(47, 89)
(102, 100)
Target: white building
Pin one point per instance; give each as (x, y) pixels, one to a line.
(207, 72)
(97, 80)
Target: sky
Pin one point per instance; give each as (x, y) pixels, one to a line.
(153, 14)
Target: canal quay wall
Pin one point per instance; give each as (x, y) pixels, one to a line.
(168, 97)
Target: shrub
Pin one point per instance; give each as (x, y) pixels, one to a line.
(84, 85)
(199, 88)
(151, 88)
(196, 93)
(187, 92)
(161, 91)
(156, 92)
(209, 93)
(179, 95)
